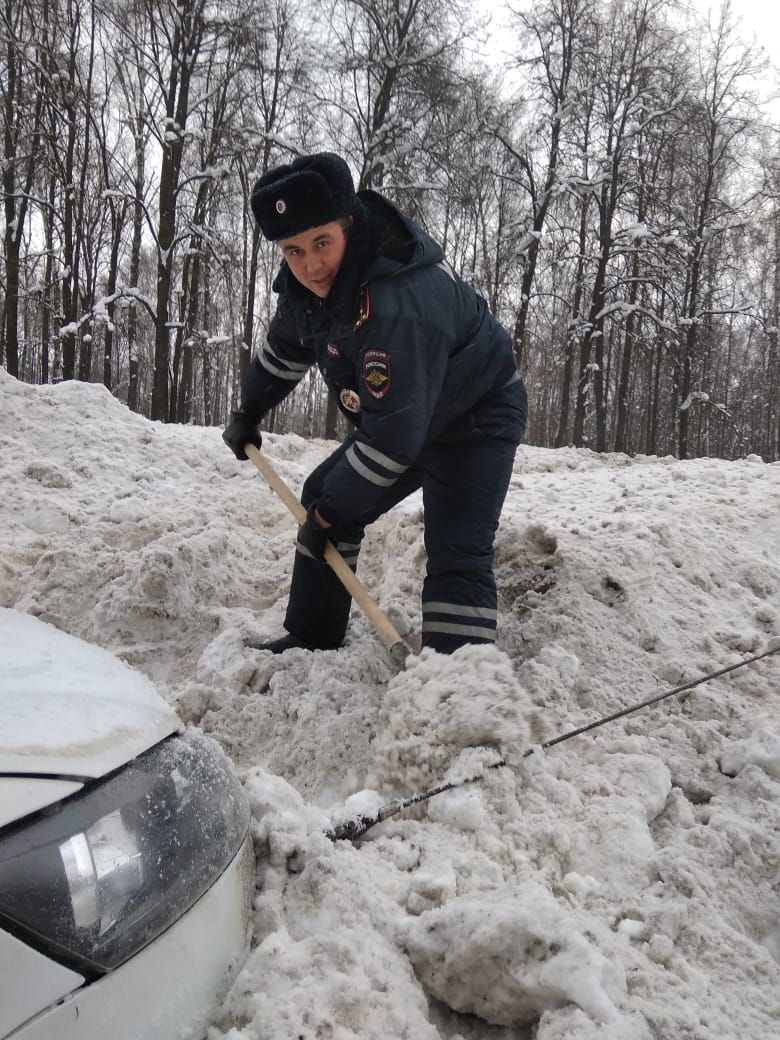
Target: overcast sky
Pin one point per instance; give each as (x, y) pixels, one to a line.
(760, 19)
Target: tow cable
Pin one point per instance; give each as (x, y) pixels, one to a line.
(357, 826)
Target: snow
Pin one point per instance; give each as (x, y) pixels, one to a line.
(621, 885)
(74, 707)
(696, 395)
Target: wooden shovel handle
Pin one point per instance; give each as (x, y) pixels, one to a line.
(384, 629)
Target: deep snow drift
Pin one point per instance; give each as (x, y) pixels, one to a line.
(621, 885)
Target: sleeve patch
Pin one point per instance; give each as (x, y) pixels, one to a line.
(376, 372)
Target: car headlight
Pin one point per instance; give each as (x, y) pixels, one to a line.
(96, 879)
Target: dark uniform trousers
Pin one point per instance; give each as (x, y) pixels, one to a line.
(464, 484)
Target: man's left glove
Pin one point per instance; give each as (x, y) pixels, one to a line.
(312, 535)
(240, 431)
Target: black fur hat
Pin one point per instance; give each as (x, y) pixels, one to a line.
(312, 190)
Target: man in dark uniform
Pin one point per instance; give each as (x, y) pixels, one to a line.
(422, 370)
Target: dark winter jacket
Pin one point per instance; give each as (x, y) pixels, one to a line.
(411, 351)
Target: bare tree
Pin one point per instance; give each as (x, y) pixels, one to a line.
(629, 43)
(558, 31)
(273, 83)
(177, 32)
(136, 115)
(719, 116)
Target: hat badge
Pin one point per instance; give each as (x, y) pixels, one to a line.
(281, 206)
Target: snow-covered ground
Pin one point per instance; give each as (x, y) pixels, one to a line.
(622, 885)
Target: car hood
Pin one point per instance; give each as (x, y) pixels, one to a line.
(70, 711)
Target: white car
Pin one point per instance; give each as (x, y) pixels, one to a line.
(126, 866)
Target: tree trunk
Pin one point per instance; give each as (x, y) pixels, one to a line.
(576, 310)
(208, 380)
(48, 272)
(245, 350)
(139, 177)
(185, 338)
(541, 206)
(15, 118)
(626, 362)
(774, 347)
(183, 53)
(11, 239)
(117, 222)
(70, 281)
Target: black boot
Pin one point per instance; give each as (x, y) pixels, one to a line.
(278, 646)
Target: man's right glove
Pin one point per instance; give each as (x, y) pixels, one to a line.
(240, 431)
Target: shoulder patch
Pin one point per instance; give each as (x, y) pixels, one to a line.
(376, 372)
(333, 350)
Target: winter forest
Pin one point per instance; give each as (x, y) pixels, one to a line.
(606, 172)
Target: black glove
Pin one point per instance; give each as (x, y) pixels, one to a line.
(240, 431)
(312, 535)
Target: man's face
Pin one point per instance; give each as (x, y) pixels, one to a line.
(314, 256)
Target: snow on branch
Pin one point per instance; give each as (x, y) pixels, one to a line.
(695, 395)
(98, 312)
(620, 309)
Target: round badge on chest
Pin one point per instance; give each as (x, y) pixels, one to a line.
(350, 400)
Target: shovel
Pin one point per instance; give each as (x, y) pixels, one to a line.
(383, 627)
